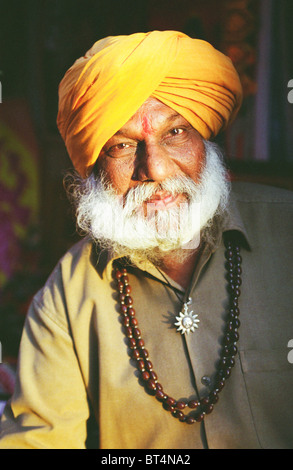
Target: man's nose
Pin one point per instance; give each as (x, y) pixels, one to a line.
(154, 164)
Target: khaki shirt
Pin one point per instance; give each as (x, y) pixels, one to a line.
(76, 375)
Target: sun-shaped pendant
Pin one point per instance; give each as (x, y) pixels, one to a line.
(187, 322)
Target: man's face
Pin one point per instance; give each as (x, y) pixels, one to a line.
(157, 186)
(155, 144)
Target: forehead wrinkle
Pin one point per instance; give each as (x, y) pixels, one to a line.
(146, 122)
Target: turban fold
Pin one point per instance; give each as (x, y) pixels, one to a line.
(103, 89)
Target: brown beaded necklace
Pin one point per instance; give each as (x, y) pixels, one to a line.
(204, 405)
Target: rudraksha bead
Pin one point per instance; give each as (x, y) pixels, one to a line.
(181, 405)
(170, 401)
(189, 420)
(145, 375)
(160, 395)
(193, 404)
(131, 311)
(151, 384)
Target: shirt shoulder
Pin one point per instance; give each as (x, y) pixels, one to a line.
(266, 215)
(260, 193)
(70, 270)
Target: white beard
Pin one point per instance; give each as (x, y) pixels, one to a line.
(120, 225)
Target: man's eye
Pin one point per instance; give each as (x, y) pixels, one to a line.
(121, 150)
(122, 146)
(177, 131)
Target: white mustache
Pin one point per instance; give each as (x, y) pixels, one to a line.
(173, 186)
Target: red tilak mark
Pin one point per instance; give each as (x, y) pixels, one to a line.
(146, 125)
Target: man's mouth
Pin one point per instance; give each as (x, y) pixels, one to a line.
(163, 200)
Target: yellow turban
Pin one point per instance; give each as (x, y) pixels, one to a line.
(103, 89)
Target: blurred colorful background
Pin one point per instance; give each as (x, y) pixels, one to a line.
(39, 40)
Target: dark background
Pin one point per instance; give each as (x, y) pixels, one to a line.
(40, 39)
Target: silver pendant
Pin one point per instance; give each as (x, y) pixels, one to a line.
(187, 321)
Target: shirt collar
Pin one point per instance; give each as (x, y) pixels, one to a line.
(233, 221)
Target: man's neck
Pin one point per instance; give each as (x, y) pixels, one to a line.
(180, 270)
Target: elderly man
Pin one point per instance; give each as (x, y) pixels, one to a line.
(135, 341)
